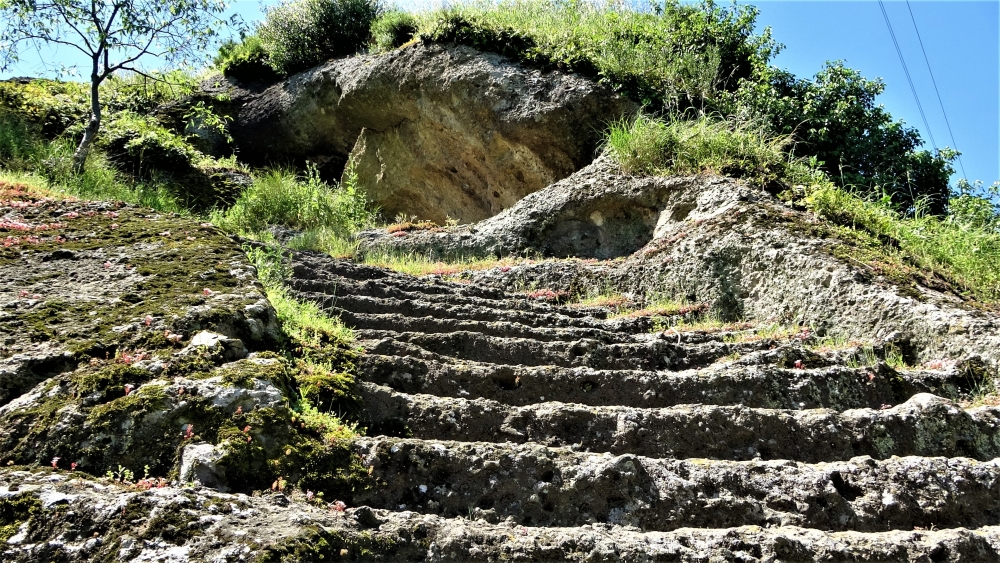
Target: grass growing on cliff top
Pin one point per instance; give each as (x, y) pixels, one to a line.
(672, 54)
(647, 145)
(962, 252)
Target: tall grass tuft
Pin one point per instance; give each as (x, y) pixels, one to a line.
(647, 145)
(281, 197)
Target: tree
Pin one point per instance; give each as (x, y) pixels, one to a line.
(834, 117)
(114, 36)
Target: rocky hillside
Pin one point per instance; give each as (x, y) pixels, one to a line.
(752, 386)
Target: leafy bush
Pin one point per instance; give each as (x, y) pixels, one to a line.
(304, 33)
(973, 206)
(141, 145)
(834, 117)
(280, 197)
(647, 145)
(128, 91)
(393, 29)
(245, 60)
(50, 105)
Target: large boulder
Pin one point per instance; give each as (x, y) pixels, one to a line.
(435, 131)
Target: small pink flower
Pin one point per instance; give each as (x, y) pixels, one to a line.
(107, 265)
(339, 506)
(799, 364)
(72, 466)
(114, 226)
(149, 320)
(309, 495)
(207, 292)
(128, 388)
(55, 462)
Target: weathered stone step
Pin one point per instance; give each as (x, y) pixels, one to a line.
(401, 537)
(761, 386)
(649, 354)
(375, 326)
(924, 425)
(540, 486)
(451, 307)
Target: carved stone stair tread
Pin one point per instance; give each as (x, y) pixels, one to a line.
(753, 385)
(923, 425)
(536, 485)
(646, 354)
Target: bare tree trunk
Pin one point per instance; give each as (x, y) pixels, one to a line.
(90, 132)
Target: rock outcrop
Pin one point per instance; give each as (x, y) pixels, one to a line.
(434, 131)
(709, 240)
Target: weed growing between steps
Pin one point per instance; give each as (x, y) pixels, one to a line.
(324, 216)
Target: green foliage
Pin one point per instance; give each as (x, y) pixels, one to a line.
(139, 145)
(393, 29)
(280, 197)
(49, 106)
(300, 34)
(675, 55)
(138, 93)
(647, 145)
(834, 118)
(245, 60)
(973, 206)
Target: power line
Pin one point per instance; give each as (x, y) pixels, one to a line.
(952, 135)
(906, 71)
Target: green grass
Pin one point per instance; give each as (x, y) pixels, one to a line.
(676, 55)
(966, 255)
(48, 166)
(328, 214)
(647, 145)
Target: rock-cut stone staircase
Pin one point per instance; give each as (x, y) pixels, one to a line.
(502, 428)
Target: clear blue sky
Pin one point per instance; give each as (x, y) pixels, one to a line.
(960, 38)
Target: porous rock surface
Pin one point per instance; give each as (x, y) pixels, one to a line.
(491, 409)
(434, 131)
(708, 240)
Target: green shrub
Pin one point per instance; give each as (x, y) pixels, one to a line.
(973, 205)
(393, 29)
(245, 60)
(50, 105)
(128, 91)
(280, 197)
(304, 33)
(19, 142)
(140, 145)
(646, 145)
(675, 55)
